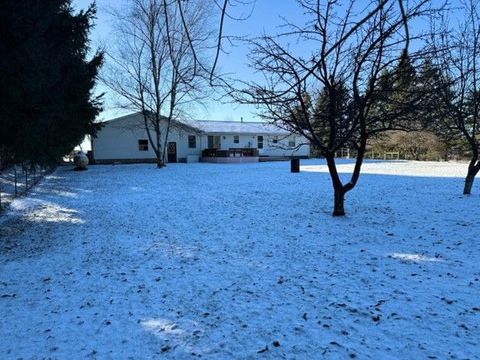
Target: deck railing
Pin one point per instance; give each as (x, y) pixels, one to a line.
(232, 152)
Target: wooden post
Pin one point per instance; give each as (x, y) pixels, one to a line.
(295, 165)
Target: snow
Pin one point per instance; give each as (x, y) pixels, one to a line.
(237, 127)
(216, 126)
(242, 261)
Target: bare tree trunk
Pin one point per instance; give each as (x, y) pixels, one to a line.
(339, 201)
(470, 178)
(468, 184)
(473, 168)
(159, 152)
(160, 162)
(160, 158)
(160, 149)
(338, 188)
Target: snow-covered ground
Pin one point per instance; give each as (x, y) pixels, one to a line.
(22, 180)
(242, 261)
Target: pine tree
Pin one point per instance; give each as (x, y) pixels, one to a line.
(405, 96)
(433, 110)
(332, 108)
(46, 81)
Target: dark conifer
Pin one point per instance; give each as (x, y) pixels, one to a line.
(46, 81)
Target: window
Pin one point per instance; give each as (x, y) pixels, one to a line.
(143, 145)
(291, 141)
(192, 141)
(275, 139)
(236, 139)
(260, 142)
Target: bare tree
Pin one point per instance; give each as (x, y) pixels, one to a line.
(153, 65)
(226, 9)
(345, 92)
(457, 56)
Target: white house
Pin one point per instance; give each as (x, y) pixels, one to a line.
(124, 139)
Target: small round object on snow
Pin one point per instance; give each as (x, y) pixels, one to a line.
(81, 161)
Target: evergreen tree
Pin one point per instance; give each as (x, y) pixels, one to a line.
(434, 113)
(46, 81)
(396, 96)
(404, 75)
(405, 96)
(332, 109)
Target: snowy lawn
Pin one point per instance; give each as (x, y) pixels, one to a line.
(242, 261)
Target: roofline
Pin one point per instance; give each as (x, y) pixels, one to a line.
(247, 133)
(278, 131)
(120, 117)
(235, 121)
(140, 113)
(218, 121)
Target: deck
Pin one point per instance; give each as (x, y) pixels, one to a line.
(232, 155)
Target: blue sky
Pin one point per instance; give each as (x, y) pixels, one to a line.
(266, 16)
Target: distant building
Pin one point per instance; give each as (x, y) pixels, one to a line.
(125, 139)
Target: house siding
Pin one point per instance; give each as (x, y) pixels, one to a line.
(269, 147)
(118, 141)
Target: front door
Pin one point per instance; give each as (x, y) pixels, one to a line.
(172, 152)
